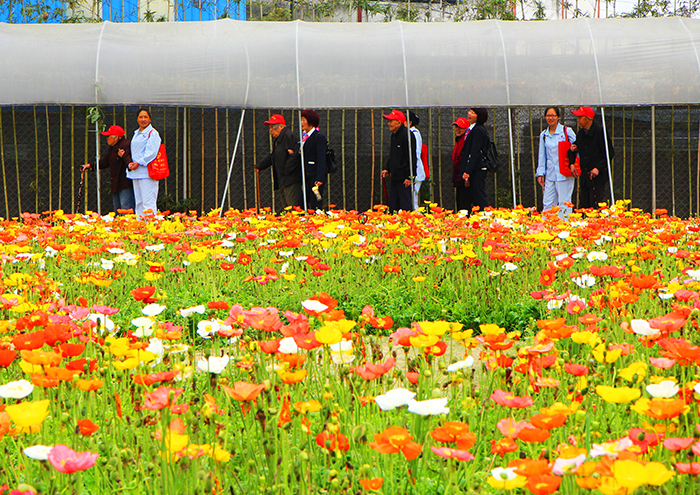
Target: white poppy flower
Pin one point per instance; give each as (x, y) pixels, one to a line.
(554, 304)
(465, 363)
(665, 389)
(641, 327)
(313, 305)
(584, 281)
(144, 326)
(288, 346)
(394, 398)
(107, 264)
(563, 234)
(694, 274)
(18, 389)
(206, 328)
(510, 267)
(430, 407)
(341, 353)
(213, 364)
(155, 247)
(201, 309)
(285, 254)
(38, 452)
(672, 249)
(156, 347)
(596, 256)
(103, 322)
(153, 309)
(504, 474)
(116, 251)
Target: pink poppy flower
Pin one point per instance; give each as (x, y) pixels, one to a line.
(458, 455)
(662, 363)
(677, 444)
(67, 460)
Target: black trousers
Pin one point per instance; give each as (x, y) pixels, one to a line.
(592, 194)
(400, 197)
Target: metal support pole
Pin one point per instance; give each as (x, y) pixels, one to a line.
(653, 158)
(607, 156)
(97, 167)
(230, 167)
(512, 155)
(303, 169)
(184, 153)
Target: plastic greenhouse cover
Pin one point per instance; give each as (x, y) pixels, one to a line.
(353, 65)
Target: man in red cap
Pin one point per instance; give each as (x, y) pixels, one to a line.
(117, 158)
(401, 165)
(590, 146)
(285, 161)
(463, 193)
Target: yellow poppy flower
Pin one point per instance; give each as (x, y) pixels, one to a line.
(617, 395)
(27, 414)
(638, 368)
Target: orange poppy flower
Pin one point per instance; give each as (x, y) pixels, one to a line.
(548, 421)
(291, 377)
(588, 482)
(396, 439)
(71, 350)
(530, 467)
(6, 357)
(548, 276)
(89, 385)
(41, 358)
(87, 427)
(62, 374)
(244, 391)
(533, 435)
(45, 381)
(372, 484)
(293, 360)
(543, 484)
(503, 446)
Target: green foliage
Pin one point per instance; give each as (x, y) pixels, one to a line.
(169, 203)
(493, 9)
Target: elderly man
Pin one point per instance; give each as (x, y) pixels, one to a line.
(590, 146)
(401, 165)
(117, 158)
(285, 161)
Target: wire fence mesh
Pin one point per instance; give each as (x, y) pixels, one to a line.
(41, 148)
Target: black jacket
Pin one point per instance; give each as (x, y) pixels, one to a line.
(474, 143)
(591, 150)
(286, 168)
(401, 164)
(315, 158)
(117, 165)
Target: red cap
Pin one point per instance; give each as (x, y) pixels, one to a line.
(395, 115)
(584, 112)
(275, 119)
(114, 130)
(461, 122)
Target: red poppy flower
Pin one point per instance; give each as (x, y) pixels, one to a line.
(244, 259)
(71, 350)
(6, 357)
(29, 341)
(144, 293)
(576, 369)
(227, 266)
(668, 323)
(87, 427)
(533, 435)
(270, 347)
(218, 305)
(80, 364)
(547, 421)
(548, 276)
(332, 441)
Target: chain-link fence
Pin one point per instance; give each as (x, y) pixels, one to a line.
(41, 148)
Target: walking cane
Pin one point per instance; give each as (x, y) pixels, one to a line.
(386, 196)
(80, 191)
(257, 190)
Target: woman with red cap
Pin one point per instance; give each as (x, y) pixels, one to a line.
(117, 159)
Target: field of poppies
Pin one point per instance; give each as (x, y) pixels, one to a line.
(350, 352)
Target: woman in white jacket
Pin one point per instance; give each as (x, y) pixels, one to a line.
(420, 169)
(557, 187)
(144, 149)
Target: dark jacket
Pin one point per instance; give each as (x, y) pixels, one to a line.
(315, 158)
(474, 144)
(117, 165)
(401, 164)
(591, 150)
(286, 168)
(457, 180)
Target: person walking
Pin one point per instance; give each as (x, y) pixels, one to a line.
(144, 149)
(590, 146)
(117, 158)
(463, 192)
(284, 160)
(414, 121)
(314, 145)
(401, 165)
(471, 164)
(557, 186)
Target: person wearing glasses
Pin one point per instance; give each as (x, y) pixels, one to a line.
(557, 186)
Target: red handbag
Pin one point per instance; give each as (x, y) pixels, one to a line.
(158, 169)
(564, 166)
